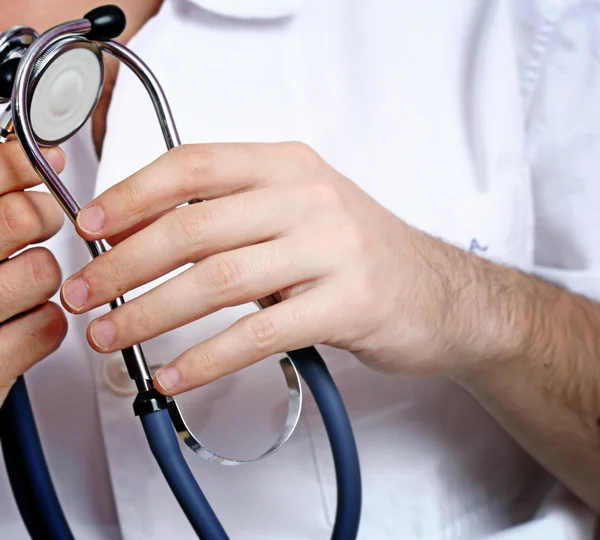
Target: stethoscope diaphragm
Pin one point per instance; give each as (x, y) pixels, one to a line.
(65, 84)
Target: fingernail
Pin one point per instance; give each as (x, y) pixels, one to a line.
(103, 333)
(76, 293)
(91, 219)
(56, 158)
(168, 377)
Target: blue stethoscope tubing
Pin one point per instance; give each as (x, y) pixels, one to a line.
(27, 469)
(165, 448)
(41, 510)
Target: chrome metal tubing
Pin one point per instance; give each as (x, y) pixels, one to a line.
(133, 356)
(152, 86)
(20, 106)
(21, 98)
(292, 377)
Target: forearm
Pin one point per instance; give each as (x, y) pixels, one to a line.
(542, 382)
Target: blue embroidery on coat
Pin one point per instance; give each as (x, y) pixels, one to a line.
(476, 246)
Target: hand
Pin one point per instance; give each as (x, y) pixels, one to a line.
(277, 219)
(42, 15)
(31, 327)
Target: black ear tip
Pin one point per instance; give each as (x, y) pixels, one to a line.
(108, 22)
(8, 71)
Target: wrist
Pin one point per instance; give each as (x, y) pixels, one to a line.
(510, 317)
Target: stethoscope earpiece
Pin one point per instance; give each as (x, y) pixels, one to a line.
(108, 22)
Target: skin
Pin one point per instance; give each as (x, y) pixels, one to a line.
(278, 219)
(32, 327)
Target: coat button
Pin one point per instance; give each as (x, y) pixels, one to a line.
(116, 378)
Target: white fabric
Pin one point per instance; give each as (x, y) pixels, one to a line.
(461, 121)
(252, 9)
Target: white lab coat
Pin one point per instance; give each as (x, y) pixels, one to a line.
(476, 121)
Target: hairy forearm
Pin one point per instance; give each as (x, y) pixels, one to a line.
(541, 380)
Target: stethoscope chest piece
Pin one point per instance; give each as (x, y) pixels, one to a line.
(65, 85)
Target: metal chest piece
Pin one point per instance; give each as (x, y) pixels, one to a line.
(65, 84)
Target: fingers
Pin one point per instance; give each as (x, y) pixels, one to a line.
(28, 339)
(17, 174)
(184, 235)
(290, 325)
(26, 281)
(232, 278)
(27, 218)
(189, 172)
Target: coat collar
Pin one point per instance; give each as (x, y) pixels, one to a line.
(251, 9)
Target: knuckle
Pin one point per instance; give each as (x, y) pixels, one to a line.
(131, 194)
(327, 194)
(206, 362)
(190, 225)
(261, 332)
(11, 287)
(301, 151)
(142, 321)
(19, 217)
(353, 239)
(45, 271)
(194, 160)
(108, 270)
(222, 274)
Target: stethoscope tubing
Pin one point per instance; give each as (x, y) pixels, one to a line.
(165, 448)
(26, 464)
(329, 401)
(27, 469)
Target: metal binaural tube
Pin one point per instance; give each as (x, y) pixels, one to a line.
(20, 106)
(134, 357)
(152, 86)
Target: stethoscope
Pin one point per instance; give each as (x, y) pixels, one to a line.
(51, 84)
